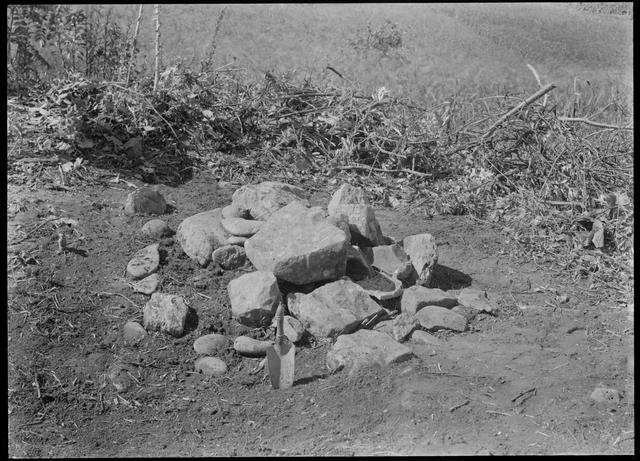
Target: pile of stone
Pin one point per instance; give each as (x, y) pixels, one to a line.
(335, 272)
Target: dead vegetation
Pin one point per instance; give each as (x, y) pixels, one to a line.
(562, 187)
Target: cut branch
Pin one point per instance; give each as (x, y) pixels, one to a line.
(534, 97)
(592, 123)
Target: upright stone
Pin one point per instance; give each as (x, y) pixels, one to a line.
(254, 298)
(423, 252)
(362, 222)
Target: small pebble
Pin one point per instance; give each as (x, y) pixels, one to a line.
(211, 366)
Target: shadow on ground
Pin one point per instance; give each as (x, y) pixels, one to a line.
(447, 278)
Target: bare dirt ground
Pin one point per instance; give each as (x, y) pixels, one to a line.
(517, 382)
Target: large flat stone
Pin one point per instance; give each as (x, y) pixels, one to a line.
(365, 348)
(299, 246)
(332, 307)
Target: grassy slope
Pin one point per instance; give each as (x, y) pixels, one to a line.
(468, 48)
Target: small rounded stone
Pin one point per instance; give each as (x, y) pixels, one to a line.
(211, 366)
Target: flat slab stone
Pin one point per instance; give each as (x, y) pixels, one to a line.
(145, 200)
(166, 313)
(210, 366)
(476, 299)
(262, 200)
(200, 234)
(416, 297)
(254, 298)
(298, 246)
(365, 348)
(241, 227)
(332, 307)
(145, 262)
(147, 285)
(439, 318)
(211, 344)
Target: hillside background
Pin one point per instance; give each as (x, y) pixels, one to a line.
(446, 48)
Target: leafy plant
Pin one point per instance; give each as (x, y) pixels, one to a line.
(385, 39)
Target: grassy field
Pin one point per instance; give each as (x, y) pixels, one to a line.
(447, 49)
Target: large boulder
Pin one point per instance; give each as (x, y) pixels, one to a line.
(254, 298)
(332, 307)
(299, 246)
(260, 201)
(202, 233)
(423, 253)
(145, 200)
(365, 348)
